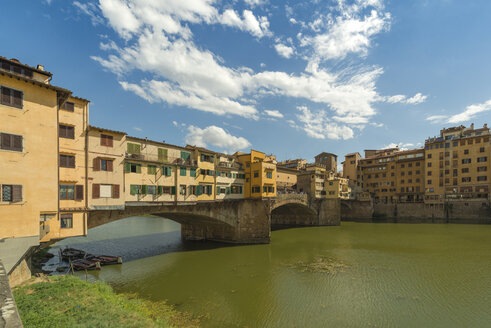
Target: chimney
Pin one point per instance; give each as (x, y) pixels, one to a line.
(40, 67)
(472, 126)
(485, 125)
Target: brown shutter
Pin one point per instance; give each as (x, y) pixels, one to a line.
(61, 131)
(79, 192)
(71, 161)
(109, 141)
(103, 140)
(71, 132)
(17, 99)
(62, 160)
(109, 165)
(16, 193)
(96, 190)
(116, 191)
(17, 143)
(97, 164)
(5, 96)
(5, 140)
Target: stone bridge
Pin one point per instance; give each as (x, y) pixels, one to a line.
(235, 221)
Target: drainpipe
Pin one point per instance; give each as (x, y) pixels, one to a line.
(85, 124)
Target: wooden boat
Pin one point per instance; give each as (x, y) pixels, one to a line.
(85, 264)
(68, 254)
(106, 259)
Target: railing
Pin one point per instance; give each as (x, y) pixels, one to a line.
(164, 160)
(229, 165)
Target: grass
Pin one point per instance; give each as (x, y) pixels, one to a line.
(67, 301)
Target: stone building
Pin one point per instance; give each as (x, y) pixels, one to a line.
(327, 160)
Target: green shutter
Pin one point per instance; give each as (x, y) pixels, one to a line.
(192, 172)
(240, 189)
(162, 155)
(138, 168)
(218, 190)
(133, 189)
(133, 148)
(173, 190)
(209, 191)
(183, 171)
(127, 167)
(151, 169)
(144, 189)
(199, 190)
(160, 190)
(185, 155)
(228, 190)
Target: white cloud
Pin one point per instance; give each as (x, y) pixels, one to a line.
(137, 129)
(120, 16)
(283, 50)
(469, 113)
(253, 3)
(414, 100)
(319, 126)
(89, 9)
(273, 113)
(215, 136)
(175, 123)
(400, 145)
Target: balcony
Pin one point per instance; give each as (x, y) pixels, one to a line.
(229, 165)
(154, 158)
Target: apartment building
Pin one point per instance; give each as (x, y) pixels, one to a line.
(350, 167)
(205, 178)
(229, 178)
(260, 174)
(295, 164)
(105, 158)
(312, 181)
(158, 172)
(286, 179)
(337, 187)
(457, 165)
(393, 176)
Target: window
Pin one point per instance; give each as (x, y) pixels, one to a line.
(162, 155)
(67, 192)
(185, 155)
(133, 168)
(182, 171)
(429, 164)
(467, 160)
(482, 159)
(133, 148)
(11, 193)
(429, 173)
(256, 189)
(429, 182)
(11, 97)
(135, 189)
(466, 179)
(429, 155)
(482, 169)
(103, 164)
(466, 152)
(206, 158)
(151, 169)
(11, 142)
(106, 140)
(256, 174)
(482, 178)
(236, 189)
(66, 221)
(269, 175)
(192, 190)
(192, 172)
(481, 150)
(106, 191)
(66, 131)
(182, 190)
(167, 171)
(69, 106)
(151, 190)
(465, 170)
(67, 161)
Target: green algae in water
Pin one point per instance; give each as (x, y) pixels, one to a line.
(321, 264)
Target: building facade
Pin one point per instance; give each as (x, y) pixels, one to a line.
(260, 174)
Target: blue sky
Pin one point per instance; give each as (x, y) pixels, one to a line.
(293, 78)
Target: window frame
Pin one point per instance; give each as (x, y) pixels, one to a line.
(11, 97)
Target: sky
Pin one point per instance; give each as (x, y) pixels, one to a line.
(291, 78)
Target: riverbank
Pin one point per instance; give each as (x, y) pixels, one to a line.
(67, 301)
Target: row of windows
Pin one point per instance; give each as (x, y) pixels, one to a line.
(464, 180)
(71, 192)
(171, 190)
(266, 189)
(456, 143)
(229, 190)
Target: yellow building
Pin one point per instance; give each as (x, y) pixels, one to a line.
(327, 160)
(393, 176)
(336, 187)
(296, 164)
(106, 149)
(229, 178)
(350, 166)
(457, 165)
(286, 179)
(260, 174)
(205, 177)
(312, 181)
(158, 172)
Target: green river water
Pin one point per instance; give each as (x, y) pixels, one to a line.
(353, 275)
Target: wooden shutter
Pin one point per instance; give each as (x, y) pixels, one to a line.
(109, 165)
(5, 140)
(71, 132)
(109, 141)
(97, 164)
(160, 190)
(138, 168)
(61, 131)
(17, 143)
(96, 190)
(218, 190)
(5, 96)
(162, 155)
(16, 193)
(116, 191)
(17, 99)
(71, 161)
(79, 192)
(69, 106)
(173, 190)
(127, 167)
(103, 140)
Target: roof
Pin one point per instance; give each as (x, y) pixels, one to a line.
(155, 142)
(79, 98)
(325, 153)
(91, 127)
(352, 154)
(286, 169)
(41, 84)
(18, 63)
(200, 149)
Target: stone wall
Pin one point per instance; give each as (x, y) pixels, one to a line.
(356, 210)
(9, 316)
(452, 212)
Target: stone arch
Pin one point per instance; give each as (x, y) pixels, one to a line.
(294, 213)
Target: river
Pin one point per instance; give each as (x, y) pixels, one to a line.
(353, 275)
